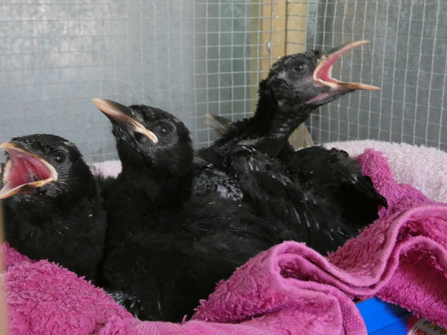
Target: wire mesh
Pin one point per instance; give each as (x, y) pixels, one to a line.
(196, 57)
(406, 58)
(188, 57)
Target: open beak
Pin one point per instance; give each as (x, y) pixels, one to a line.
(122, 114)
(323, 71)
(24, 171)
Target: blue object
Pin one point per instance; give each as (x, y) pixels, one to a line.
(382, 318)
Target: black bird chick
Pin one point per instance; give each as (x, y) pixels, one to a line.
(295, 86)
(165, 249)
(52, 207)
(322, 191)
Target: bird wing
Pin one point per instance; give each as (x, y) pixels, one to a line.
(336, 176)
(297, 213)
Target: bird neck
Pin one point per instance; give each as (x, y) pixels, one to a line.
(80, 190)
(160, 189)
(257, 125)
(287, 120)
(265, 114)
(277, 120)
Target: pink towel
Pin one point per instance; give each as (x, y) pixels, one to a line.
(289, 289)
(44, 298)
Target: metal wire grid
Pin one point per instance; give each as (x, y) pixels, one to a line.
(188, 57)
(406, 58)
(230, 66)
(198, 57)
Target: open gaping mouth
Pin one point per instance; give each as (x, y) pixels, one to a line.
(24, 171)
(322, 74)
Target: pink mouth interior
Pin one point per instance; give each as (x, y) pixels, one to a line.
(25, 169)
(324, 72)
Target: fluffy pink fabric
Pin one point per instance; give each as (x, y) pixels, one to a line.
(109, 168)
(289, 289)
(44, 298)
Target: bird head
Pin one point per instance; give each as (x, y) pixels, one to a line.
(149, 137)
(43, 164)
(305, 78)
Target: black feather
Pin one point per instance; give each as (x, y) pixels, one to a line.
(165, 249)
(62, 221)
(321, 195)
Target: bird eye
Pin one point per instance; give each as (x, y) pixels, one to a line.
(163, 129)
(300, 67)
(59, 157)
